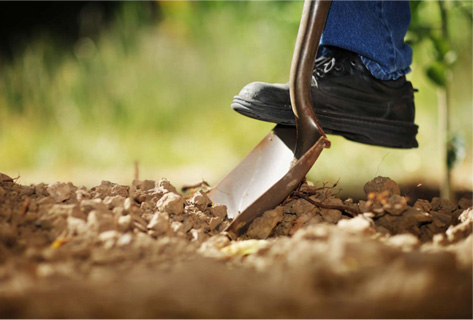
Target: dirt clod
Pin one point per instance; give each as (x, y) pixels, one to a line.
(262, 226)
(60, 191)
(382, 184)
(314, 256)
(171, 203)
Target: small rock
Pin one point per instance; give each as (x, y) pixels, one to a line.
(464, 203)
(118, 190)
(171, 203)
(313, 232)
(46, 201)
(198, 235)
(380, 184)
(200, 200)
(396, 205)
(40, 189)
(467, 215)
(94, 204)
(331, 215)
(33, 206)
(262, 226)
(102, 190)
(363, 206)
(99, 222)
(212, 247)
(145, 206)
(25, 190)
(82, 194)
(118, 211)
(124, 223)
(124, 240)
(60, 191)
(128, 204)
(58, 226)
(298, 207)
(460, 231)
(219, 211)
(359, 224)
(159, 223)
(8, 235)
(136, 218)
(425, 233)
(147, 216)
(76, 226)
(441, 220)
(177, 227)
(289, 224)
(442, 205)
(114, 201)
(139, 227)
(440, 239)
(214, 222)
(146, 185)
(404, 241)
(110, 235)
(421, 217)
(164, 186)
(187, 224)
(223, 225)
(68, 210)
(382, 230)
(423, 205)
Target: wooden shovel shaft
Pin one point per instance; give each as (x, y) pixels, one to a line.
(311, 27)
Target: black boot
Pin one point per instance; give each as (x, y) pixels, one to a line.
(348, 101)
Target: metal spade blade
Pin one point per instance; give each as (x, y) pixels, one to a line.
(276, 166)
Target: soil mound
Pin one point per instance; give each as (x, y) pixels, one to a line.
(146, 250)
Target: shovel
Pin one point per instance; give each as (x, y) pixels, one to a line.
(278, 164)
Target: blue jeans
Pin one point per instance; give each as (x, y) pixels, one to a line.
(375, 30)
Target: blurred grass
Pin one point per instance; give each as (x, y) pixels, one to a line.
(160, 93)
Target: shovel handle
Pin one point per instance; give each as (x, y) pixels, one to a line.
(313, 19)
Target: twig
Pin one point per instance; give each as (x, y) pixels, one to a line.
(137, 170)
(24, 207)
(347, 209)
(201, 184)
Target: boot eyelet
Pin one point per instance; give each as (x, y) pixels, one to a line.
(338, 68)
(353, 62)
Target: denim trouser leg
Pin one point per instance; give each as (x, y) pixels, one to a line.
(375, 30)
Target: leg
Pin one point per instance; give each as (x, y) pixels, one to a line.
(359, 89)
(375, 30)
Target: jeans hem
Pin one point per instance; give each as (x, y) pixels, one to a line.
(379, 73)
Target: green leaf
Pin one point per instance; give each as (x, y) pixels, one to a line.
(450, 58)
(440, 47)
(437, 73)
(455, 150)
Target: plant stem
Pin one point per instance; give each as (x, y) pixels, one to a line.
(446, 190)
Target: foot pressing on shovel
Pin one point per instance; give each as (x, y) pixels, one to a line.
(277, 165)
(359, 89)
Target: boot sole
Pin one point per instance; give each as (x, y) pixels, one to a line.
(373, 131)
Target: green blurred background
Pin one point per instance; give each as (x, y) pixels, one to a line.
(155, 84)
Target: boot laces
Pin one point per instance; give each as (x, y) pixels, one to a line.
(324, 65)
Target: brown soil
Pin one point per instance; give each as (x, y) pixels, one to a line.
(145, 250)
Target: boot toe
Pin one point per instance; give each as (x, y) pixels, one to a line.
(273, 94)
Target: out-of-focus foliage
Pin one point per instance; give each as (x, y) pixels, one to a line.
(444, 55)
(157, 88)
